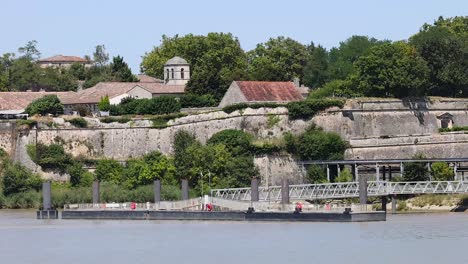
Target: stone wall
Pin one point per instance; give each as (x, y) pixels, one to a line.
(7, 136)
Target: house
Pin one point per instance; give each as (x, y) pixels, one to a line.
(60, 61)
(261, 92)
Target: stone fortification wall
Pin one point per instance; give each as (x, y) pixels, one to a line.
(7, 136)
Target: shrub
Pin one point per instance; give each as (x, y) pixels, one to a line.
(194, 100)
(82, 110)
(17, 178)
(79, 122)
(161, 121)
(27, 122)
(3, 153)
(104, 104)
(316, 174)
(111, 119)
(231, 108)
(236, 141)
(316, 144)
(272, 120)
(308, 108)
(51, 157)
(345, 176)
(441, 171)
(453, 129)
(164, 104)
(49, 104)
(79, 176)
(416, 171)
(109, 170)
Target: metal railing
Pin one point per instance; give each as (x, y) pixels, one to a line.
(190, 204)
(344, 190)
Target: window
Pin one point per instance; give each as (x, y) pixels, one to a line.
(182, 73)
(167, 74)
(172, 73)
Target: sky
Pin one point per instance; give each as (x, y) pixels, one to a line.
(131, 28)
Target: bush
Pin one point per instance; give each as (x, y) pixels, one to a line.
(49, 104)
(231, 108)
(82, 110)
(79, 176)
(104, 104)
(17, 178)
(416, 171)
(109, 170)
(194, 100)
(345, 176)
(79, 122)
(236, 141)
(316, 174)
(453, 129)
(161, 121)
(316, 144)
(441, 171)
(111, 119)
(27, 122)
(308, 108)
(51, 157)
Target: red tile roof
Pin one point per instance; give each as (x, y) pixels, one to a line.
(61, 58)
(255, 91)
(143, 78)
(20, 100)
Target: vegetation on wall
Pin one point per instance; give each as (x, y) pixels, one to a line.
(164, 104)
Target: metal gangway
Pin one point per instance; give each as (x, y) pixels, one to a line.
(344, 190)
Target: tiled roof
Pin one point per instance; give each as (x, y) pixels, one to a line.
(20, 100)
(143, 78)
(255, 91)
(61, 58)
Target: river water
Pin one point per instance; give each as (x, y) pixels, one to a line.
(420, 238)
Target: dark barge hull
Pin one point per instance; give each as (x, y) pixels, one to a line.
(224, 216)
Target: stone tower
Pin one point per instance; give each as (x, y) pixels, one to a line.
(176, 71)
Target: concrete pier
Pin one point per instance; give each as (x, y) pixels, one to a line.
(394, 204)
(96, 194)
(285, 191)
(254, 197)
(47, 212)
(185, 189)
(363, 189)
(157, 191)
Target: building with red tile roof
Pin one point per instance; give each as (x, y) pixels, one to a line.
(62, 61)
(261, 92)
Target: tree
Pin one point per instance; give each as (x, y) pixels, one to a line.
(78, 71)
(316, 174)
(24, 75)
(349, 51)
(100, 56)
(53, 79)
(441, 172)
(215, 60)
(17, 178)
(445, 54)
(120, 71)
(5, 67)
(104, 104)
(316, 70)
(316, 144)
(345, 176)
(30, 51)
(182, 141)
(49, 104)
(109, 170)
(236, 141)
(416, 171)
(392, 70)
(278, 59)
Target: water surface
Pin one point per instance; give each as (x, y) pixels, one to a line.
(422, 238)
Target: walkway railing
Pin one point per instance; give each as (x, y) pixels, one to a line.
(194, 204)
(344, 190)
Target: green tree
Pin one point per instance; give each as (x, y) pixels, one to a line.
(278, 59)
(316, 71)
(77, 71)
(120, 71)
(236, 141)
(100, 56)
(48, 104)
(53, 79)
(316, 174)
(24, 75)
(182, 141)
(104, 104)
(416, 171)
(17, 178)
(6, 62)
(30, 51)
(349, 51)
(345, 176)
(216, 60)
(109, 170)
(441, 171)
(392, 70)
(445, 54)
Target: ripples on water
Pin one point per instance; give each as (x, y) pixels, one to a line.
(422, 238)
